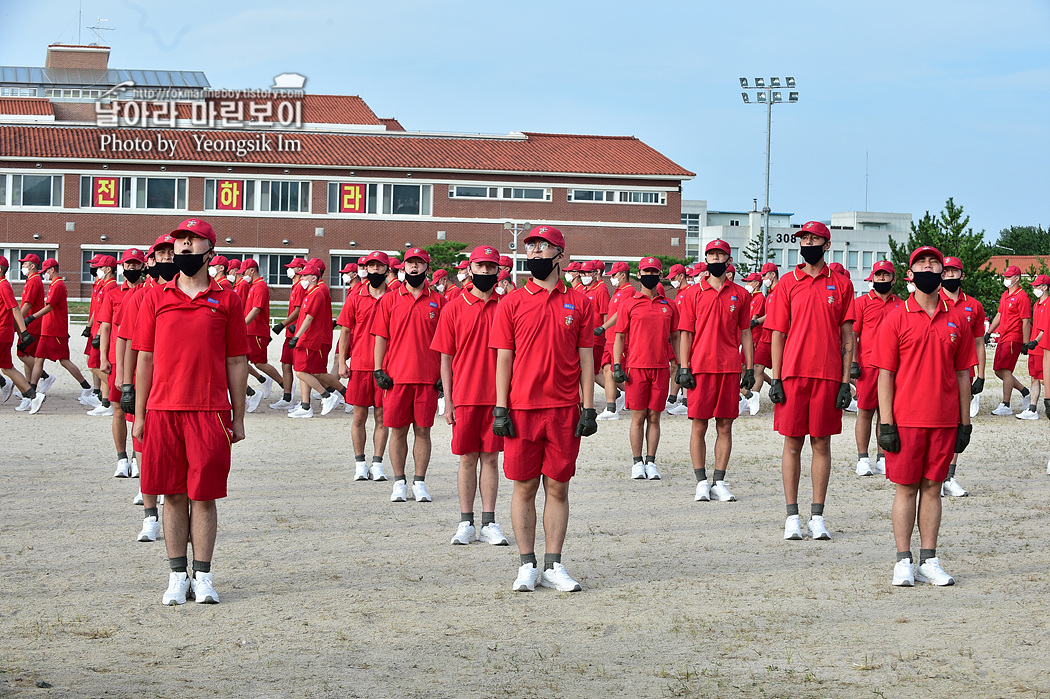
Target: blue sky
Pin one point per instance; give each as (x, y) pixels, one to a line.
(948, 99)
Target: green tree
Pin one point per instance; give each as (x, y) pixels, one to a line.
(950, 232)
(751, 256)
(445, 254)
(1023, 240)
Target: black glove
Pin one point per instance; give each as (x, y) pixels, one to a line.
(24, 340)
(1046, 407)
(96, 341)
(599, 330)
(854, 370)
(1030, 345)
(501, 424)
(962, 438)
(748, 379)
(383, 379)
(978, 386)
(842, 400)
(127, 398)
(588, 423)
(293, 341)
(987, 338)
(277, 328)
(1024, 348)
(29, 319)
(291, 328)
(619, 376)
(86, 333)
(440, 387)
(776, 392)
(754, 323)
(685, 378)
(889, 439)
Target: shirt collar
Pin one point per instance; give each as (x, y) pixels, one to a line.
(533, 288)
(825, 271)
(912, 306)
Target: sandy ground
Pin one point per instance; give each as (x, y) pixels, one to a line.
(328, 589)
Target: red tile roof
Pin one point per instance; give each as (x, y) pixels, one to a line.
(392, 124)
(316, 109)
(537, 153)
(999, 263)
(25, 106)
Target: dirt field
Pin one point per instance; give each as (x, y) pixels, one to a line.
(330, 590)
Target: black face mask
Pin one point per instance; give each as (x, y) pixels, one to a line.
(540, 267)
(951, 285)
(189, 264)
(649, 281)
(882, 287)
(415, 280)
(812, 254)
(164, 270)
(926, 282)
(716, 269)
(133, 275)
(484, 282)
(376, 279)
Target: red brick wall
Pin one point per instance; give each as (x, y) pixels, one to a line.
(93, 58)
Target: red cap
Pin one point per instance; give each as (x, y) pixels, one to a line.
(651, 263)
(487, 253)
(319, 263)
(573, 267)
(730, 269)
(845, 273)
(31, 257)
(218, 261)
(93, 260)
(692, 272)
(837, 268)
(549, 233)
(196, 227)
(595, 266)
(249, 263)
(717, 245)
(883, 266)
(133, 255)
(418, 253)
(311, 268)
(5, 263)
(770, 267)
(48, 264)
(675, 271)
(376, 256)
(503, 274)
(1040, 279)
(930, 250)
(360, 260)
(753, 277)
(439, 274)
(107, 261)
(348, 268)
(296, 262)
(462, 264)
(953, 262)
(396, 263)
(700, 266)
(620, 267)
(816, 228)
(165, 239)
(233, 265)
(1011, 271)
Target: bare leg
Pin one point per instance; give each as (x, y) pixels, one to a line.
(270, 371)
(176, 523)
(398, 450)
(820, 468)
(610, 385)
(307, 382)
(421, 446)
(791, 467)
(357, 428)
(380, 435)
(203, 523)
(38, 370)
(904, 514)
(120, 429)
(637, 429)
(760, 376)
(723, 442)
(555, 514)
(467, 481)
(652, 432)
(863, 430)
(929, 513)
(20, 381)
(489, 480)
(73, 370)
(697, 443)
(287, 377)
(523, 514)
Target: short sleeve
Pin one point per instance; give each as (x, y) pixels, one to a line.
(687, 313)
(146, 323)
(445, 336)
(346, 314)
(585, 335)
(1024, 307)
(886, 352)
(778, 315)
(501, 336)
(106, 314)
(236, 332)
(858, 312)
(381, 321)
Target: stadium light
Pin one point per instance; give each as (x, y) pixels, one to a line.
(743, 83)
(747, 99)
(774, 82)
(790, 82)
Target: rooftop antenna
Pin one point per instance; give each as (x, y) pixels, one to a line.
(99, 28)
(865, 180)
(80, 19)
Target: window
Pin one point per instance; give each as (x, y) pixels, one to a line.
(778, 255)
(406, 199)
(460, 191)
(526, 193)
(591, 195)
(35, 190)
(3, 190)
(229, 195)
(272, 266)
(160, 193)
(149, 192)
(338, 203)
(470, 191)
(867, 260)
(853, 260)
(19, 253)
(643, 197)
(734, 253)
(18, 92)
(792, 257)
(836, 256)
(284, 196)
(734, 222)
(336, 263)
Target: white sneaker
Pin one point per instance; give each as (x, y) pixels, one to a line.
(703, 492)
(1026, 400)
(1028, 413)
(621, 401)
(754, 402)
(852, 407)
(951, 487)
(558, 579)
(34, 405)
(267, 388)
(817, 530)
(8, 388)
(880, 466)
(135, 472)
(361, 471)
(178, 587)
(300, 413)
(638, 471)
(282, 404)
(721, 493)
(123, 469)
(419, 492)
(608, 415)
(348, 409)
(904, 574)
(441, 405)
(743, 407)
(465, 534)
(793, 528)
(203, 591)
(492, 534)
(864, 467)
(328, 404)
(46, 384)
(975, 405)
(375, 471)
(1048, 468)
(528, 574)
(1003, 409)
(651, 472)
(678, 409)
(400, 492)
(101, 411)
(137, 500)
(150, 529)
(931, 572)
(252, 402)
(85, 395)
(26, 404)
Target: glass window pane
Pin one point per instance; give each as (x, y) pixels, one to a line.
(405, 199)
(3, 190)
(36, 190)
(867, 260)
(249, 195)
(293, 196)
(304, 196)
(264, 195)
(463, 191)
(583, 195)
(792, 256)
(209, 194)
(387, 197)
(180, 193)
(160, 193)
(424, 203)
(373, 195)
(333, 197)
(852, 260)
(56, 190)
(140, 192)
(836, 256)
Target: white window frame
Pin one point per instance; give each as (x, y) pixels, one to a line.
(10, 251)
(9, 186)
(136, 202)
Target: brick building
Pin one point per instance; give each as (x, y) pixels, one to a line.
(88, 166)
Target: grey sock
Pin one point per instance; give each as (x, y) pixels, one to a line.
(377, 459)
(418, 479)
(816, 509)
(201, 567)
(400, 478)
(700, 473)
(862, 456)
(904, 556)
(178, 565)
(260, 379)
(250, 391)
(287, 397)
(467, 517)
(926, 553)
(359, 458)
(488, 518)
(549, 559)
(650, 458)
(528, 558)
(792, 509)
(951, 471)
(611, 407)
(719, 475)
(150, 512)
(306, 405)
(122, 455)
(637, 459)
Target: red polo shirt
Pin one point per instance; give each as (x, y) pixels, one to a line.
(243, 287)
(971, 308)
(190, 340)
(1039, 322)
(649, 323)
(33, 294)
(408, 323)
(7, 316)
(811, 311)
(110, 313)
(356, 316)
(56, 323)
(600, 302)
(925, 352)
(318, 304)
(758, 309)
(129, 312)
(545, 330)
(295, 300)
(94, 293)
(716, 317)
(868, 311)
(1014, 307)
(463, 333)
(259, 297)
(452, 292)
(100, 294)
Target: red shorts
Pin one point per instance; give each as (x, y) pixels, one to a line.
(87, 347)
(809, 409)
(546, 444)
(473, 430)
(310, 361)
(257, 349)
(868, 388)
(94, 357)
(1035, 365)
(361, 390)
(135, 444)
(186, 452)
(33, 348)
(1006, 354)
(715, 395)
(114, 387)
(6, 360)
(764, 354)
(410, 404)
(598, 351)
(647, 389)
(53, 349)
(607, 354)
(287, 353)
(925, 452)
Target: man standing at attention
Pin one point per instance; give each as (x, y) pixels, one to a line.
(1014, 323)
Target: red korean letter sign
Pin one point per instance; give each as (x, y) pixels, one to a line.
(351, 198)
(105, 192)
(229, 195)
